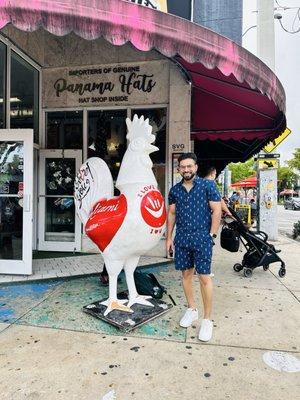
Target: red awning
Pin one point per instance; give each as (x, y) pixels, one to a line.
(237, 101)
(250, 182)
(288, 192)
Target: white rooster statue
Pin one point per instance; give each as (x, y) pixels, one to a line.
(127, 226)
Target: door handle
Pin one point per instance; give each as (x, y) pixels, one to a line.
(26, 202)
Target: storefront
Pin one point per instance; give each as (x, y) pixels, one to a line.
(74, 93)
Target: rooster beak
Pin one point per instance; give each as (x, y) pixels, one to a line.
(152, 149)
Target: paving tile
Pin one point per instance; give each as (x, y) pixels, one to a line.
(3, 326)
(89, 366)
(69, 266)
(17, 299)
(63, 310)
(254, 318)
(226, 276)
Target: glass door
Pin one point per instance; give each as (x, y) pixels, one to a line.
(16, 178)
(59, 227)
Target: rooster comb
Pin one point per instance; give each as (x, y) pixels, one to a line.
(139, 128)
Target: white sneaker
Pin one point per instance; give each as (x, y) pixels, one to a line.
(189, 317)
(205, 333)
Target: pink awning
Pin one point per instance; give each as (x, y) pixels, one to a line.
(235, 96)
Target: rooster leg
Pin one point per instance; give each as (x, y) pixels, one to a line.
(134, 297)
(113, 303)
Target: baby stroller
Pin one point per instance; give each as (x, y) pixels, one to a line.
(259, 251)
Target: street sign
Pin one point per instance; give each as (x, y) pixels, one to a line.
(272, 145)
(263, 156)
(268, 163)
(160, 5)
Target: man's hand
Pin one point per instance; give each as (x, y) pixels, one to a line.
(170, 228)
(227, 214)
(170, 247)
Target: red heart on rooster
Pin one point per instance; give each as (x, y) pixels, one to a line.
(105, 220)
(153, 209)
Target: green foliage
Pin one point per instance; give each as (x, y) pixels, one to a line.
(286, 178)
(296, 230)
(241, 171)
(219, 186)
(295, 162)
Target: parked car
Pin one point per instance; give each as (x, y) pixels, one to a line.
(293, 203)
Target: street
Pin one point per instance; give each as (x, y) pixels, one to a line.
(286, 220)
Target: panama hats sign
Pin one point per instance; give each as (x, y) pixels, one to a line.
(160, 5)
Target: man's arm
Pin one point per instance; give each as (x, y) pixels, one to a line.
(215, 216)
(225, 208)
(170, 227)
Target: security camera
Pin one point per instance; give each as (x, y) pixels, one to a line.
(277, 16)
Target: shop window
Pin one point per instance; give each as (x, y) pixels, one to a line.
(2, 84)
(24, 96)
(107, 137)
(64, 130)
(157, 119)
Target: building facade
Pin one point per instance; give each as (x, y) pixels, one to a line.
(76, 95)
(222, 16)
(68, 81)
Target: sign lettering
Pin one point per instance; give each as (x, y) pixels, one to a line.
(99, 85)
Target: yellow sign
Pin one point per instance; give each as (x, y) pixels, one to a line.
(272, 145)
(160, 5)
(267, 163)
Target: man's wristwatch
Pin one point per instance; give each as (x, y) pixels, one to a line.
(213, 235)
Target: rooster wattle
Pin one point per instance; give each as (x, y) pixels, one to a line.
(127, 226)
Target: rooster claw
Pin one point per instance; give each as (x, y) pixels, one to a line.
(115, 305)
(143, 300)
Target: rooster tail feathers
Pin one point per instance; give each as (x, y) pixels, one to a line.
(93, 182)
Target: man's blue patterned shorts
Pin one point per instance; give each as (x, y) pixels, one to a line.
(191, 256)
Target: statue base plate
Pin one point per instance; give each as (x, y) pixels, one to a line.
(128, 321)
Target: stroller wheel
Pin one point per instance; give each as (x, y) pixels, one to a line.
(247, 272)
(282, 272)
(266, 267)
(237, 267)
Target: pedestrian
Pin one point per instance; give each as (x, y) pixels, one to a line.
(234, 199)
(195, 208)
(210, 173)
(253, 206)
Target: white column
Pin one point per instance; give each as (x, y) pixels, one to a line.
(265, 32)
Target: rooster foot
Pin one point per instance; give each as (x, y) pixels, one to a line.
(139, 299)
(116, 305)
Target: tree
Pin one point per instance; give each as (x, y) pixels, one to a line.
(241, 171)
(295, 162)
(286, 178)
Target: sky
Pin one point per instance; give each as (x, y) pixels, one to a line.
(287, 62)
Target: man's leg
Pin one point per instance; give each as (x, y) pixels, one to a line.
(183, 258)
(187, 283)
(206, 286)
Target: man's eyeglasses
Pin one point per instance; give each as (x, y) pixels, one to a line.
(185, 167)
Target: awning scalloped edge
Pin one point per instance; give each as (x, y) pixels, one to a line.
(120, 21)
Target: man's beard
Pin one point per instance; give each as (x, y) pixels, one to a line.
(190, 177)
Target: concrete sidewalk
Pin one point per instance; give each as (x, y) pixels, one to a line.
(50, 349)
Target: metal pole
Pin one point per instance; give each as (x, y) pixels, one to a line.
(226, 176)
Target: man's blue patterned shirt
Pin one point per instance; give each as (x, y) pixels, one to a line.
(193, 214)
